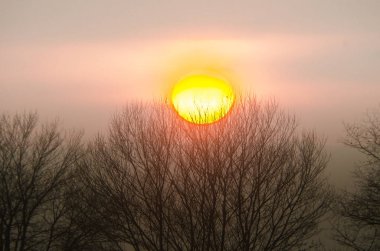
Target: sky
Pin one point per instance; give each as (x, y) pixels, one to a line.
(83, 60)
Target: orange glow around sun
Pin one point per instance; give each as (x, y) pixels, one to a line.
(202, 99)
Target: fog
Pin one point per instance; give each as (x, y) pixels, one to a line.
(82, 61)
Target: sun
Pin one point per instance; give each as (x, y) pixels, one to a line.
(202, 99)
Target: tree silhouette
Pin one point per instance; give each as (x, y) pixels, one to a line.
(248, 182)
(359, 211)
(36, 172)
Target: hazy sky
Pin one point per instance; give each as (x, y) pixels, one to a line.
(83, 60)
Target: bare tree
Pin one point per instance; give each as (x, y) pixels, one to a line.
(36, 171)
(248, 182)
(359, 210)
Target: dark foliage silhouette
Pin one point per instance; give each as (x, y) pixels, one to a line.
(359, 210)
(248, 182)
(37, 164)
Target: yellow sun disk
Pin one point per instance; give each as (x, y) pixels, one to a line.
(202, 99)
